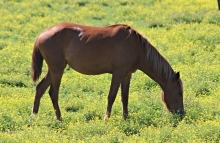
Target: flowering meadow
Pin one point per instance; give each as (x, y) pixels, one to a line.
(186, 33)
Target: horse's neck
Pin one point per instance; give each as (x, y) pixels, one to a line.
(153, 75)
(159, 73)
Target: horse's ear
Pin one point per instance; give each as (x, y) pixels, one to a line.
(177, 75)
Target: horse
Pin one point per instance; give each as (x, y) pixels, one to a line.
(116, 49)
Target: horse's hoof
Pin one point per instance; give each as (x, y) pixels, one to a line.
(125, 117)
(106, 118)
(34, 113)
(59, 119)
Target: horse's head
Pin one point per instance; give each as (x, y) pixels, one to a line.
(172, 96)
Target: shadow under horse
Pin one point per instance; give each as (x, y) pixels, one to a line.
(117, 49)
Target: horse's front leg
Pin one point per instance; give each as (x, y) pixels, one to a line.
(115, 83)
(125, 84)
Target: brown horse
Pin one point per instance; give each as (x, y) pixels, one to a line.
(116, 49)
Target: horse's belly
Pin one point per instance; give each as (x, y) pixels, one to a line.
(90, 66)
(90, 70)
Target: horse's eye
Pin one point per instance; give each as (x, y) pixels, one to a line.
(180, 94)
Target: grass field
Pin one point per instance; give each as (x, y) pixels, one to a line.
(186, 33)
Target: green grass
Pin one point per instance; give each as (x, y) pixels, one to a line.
(185, 32)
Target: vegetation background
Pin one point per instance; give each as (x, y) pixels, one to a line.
(186, 33)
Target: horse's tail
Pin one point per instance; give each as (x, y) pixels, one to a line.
(37, 63)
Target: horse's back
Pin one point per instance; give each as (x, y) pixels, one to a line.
(84, 33)
(88, 49)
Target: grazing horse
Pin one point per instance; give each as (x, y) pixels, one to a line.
(116, 49)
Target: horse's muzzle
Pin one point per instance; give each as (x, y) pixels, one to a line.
(181, 113)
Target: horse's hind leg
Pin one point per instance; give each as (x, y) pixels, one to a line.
(56, 76)
(124, 94)
(40, 90)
